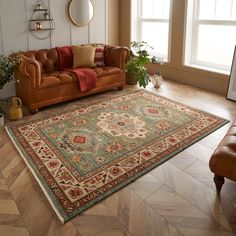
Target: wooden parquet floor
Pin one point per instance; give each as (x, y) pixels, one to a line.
(176, 198)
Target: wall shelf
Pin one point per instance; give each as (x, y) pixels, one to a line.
(42, 29)
(41, 20)
(41, 9)
(41, 23)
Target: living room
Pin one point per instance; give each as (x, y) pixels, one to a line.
(118, 159)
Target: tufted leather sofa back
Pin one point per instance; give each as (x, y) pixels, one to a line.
(47, 58)
(49, 61)
(114, 57)
(108, 55)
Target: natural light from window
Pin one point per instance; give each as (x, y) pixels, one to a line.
(210, 33)
(150, 23)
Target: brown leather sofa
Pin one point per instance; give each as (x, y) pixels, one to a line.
(223, 160)
(39, 82)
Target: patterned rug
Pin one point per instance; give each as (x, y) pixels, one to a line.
(81, 156)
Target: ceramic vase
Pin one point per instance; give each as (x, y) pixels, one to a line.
(157, 80)
(15, 111)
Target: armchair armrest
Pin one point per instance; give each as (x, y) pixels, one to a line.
(116, 56)
(29, 68)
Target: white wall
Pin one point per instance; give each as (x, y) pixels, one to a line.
(14, 34)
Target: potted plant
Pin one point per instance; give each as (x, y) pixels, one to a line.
(135, 67)
(7, 66)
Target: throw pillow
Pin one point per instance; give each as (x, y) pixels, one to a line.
(99, 59)
(83, 56)
(65, 56)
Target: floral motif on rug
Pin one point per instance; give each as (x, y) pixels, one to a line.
(81, 156)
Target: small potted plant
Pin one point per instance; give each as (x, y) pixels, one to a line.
(7, 66)
(135, 67)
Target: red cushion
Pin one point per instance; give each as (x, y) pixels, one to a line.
(99, 56)
(65, 55)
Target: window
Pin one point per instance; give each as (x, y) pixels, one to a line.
(150, 23)
(210, 33)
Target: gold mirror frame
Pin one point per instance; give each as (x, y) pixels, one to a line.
(76, 21)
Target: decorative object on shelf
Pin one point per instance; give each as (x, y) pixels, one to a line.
(135, 67)
(46, 15)
(157, 79)
(38, 25)
(41, 23)
(80, 12)
(231, 91)
(15, 111)
(38, 6)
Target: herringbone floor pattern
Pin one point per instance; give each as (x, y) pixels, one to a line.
(176, 198)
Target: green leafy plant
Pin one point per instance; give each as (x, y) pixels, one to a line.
(139, 58)
(7, 66)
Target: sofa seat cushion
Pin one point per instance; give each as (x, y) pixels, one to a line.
(55, 78)
(106, 70)
(67, 77)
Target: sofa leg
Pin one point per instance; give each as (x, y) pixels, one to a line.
(219, 181)
(34, 111)
(121, 87)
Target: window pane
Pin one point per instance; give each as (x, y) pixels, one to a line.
(147, 8)
(234, 10)
(156, 35)
(158, 9)
(207, 9)
(223, 9)
(216, 9)
(161, 9)
(216, 44)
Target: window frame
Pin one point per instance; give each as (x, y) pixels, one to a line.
(141, 20)
(196, 23)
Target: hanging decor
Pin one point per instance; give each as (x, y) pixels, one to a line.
(41, 23)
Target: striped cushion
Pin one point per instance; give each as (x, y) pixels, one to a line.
(99, 56)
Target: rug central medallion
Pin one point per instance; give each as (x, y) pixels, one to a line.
(122, 125)
(81, 156)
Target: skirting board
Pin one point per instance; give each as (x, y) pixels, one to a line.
(204, 79)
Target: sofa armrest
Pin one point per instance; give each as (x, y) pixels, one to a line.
(116, 56)
(29, 69)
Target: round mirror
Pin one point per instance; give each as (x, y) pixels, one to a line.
(80, 12)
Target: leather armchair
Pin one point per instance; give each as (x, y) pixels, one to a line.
(223, 160)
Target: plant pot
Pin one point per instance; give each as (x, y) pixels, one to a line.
(131, 79)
